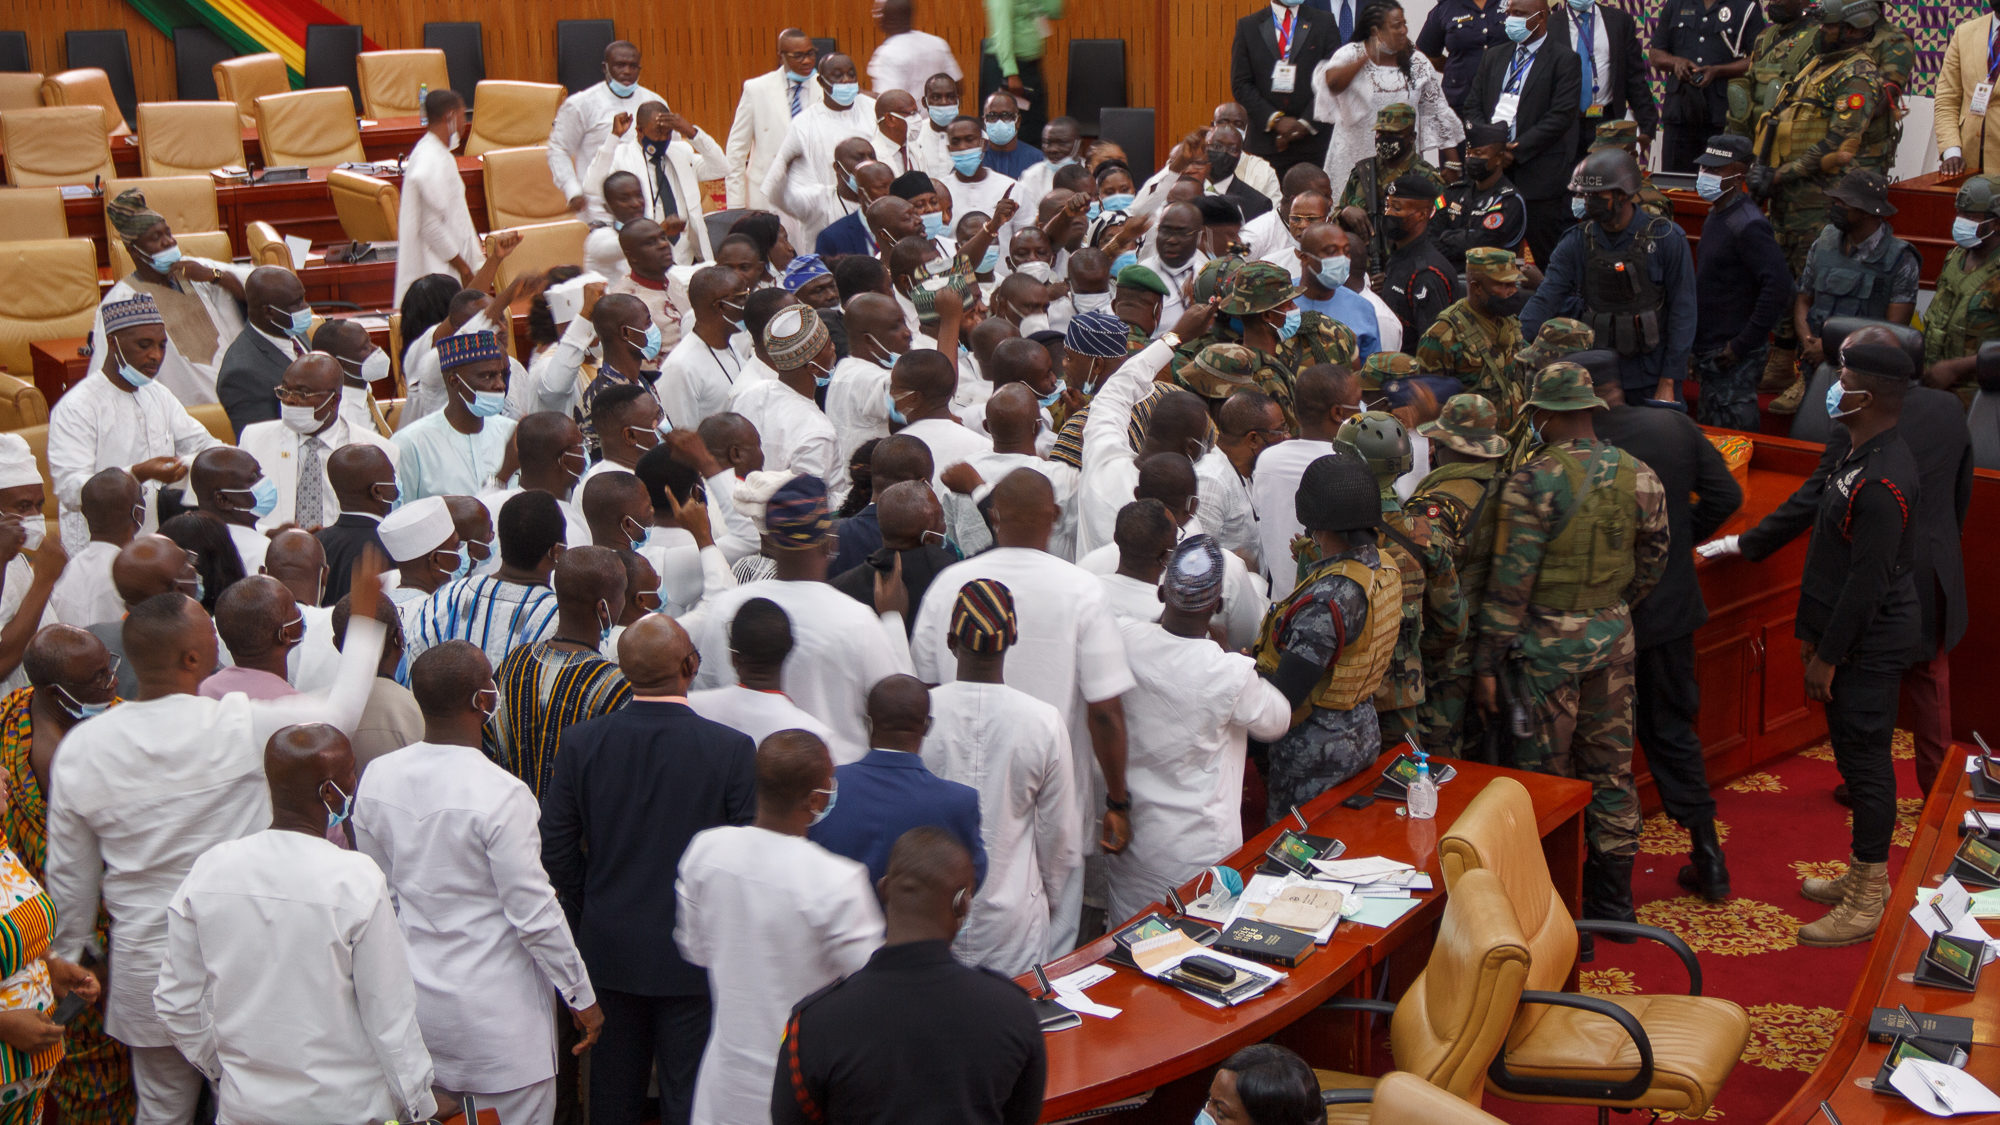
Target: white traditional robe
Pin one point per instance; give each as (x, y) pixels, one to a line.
(433, 459)
(759, 714)
(1110, 464)
(695, 379)
(190, 382)
(84, 595)
(579, 131)
(794, 432)
(433, 223)
(96, 426)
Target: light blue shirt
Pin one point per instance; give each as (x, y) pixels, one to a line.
(1352, 309)
(432, 459)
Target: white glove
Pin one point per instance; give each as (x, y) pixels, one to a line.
(1718, 548)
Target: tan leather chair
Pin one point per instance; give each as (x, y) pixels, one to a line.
(29, 214)
(1402, 1099)
(89, 86)
(244, 80)
(267, 247)
(56, 145)
(189, 206)
(1451, 1022)
(211, 244)
(48, 290)
(513, 115)
(22, 89)
(544, 246)
(1658, 1052)
(310, 127)
(215, 420)
(21, 404)
(396, 351)
(188, 138)
(520, 190)
(37, 437)
(390, 80)
(367, 207)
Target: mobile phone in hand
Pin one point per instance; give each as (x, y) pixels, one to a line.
(68, 1008)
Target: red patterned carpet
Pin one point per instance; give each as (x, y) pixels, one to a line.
(1777, 826)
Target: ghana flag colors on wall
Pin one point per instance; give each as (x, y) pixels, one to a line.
(250, 26)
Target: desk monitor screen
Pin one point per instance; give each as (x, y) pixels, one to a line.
(1980, 854)
(1151, 926)
(1954, 958)
(1904, 1049)
(1293, 852)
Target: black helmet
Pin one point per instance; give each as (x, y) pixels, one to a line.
(1338, 493)
(1607, 169)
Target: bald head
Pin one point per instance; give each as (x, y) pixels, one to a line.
(899, 705)
(986, 336)
(271, 292)
(1018, 360)
(446, 677)
(310, 768)
(112, 505)
(906, 510)
(1024, 510)
(872, 313)
(1170, 479)
(1179, 424)
(257, 616)
(296, 558)
(151, 565)
(926, 375)
(169, 641)
(64, 656)
(1013, 416)
(900, 457)
(928, 886)
(657, 657)
(790, 765)
(363, 478)
(221, 477)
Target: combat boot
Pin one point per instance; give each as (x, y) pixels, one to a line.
(1859, 911)
(1706, 875)
(1791, 400)
(1781, 367)
(1607, 892)
(1830, 891)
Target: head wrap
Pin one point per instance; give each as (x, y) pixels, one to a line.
(795, 337)
(804, 270)
(130, 313)
(416, 529)
(130, 217)
(796, 516)
(982, 619)
(17, 462)
(468, 347)
(1193, 578)
(1097, 334)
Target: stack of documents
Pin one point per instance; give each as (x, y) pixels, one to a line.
(1158, 956)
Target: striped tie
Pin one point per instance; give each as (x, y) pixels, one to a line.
(797, 104)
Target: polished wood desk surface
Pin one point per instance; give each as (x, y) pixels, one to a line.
(381, 138)
(1163, 1034)
(1852, 1061)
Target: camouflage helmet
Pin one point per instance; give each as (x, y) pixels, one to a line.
(1853, 13)
(1606, 169)
(1219, 371)
(1468, 424)
(1381, 440)
(1381, 367)
(1615, 134)
(1213, 277)
(1565, 386)
(1980, 195)
(1256, 287)
(1338, 493)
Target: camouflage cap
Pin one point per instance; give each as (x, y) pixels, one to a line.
(1255, 287)
(1213, 278)
(1615, 134)
(1567, 333)
(1382, 441)
(1395, 117)
(1381, 367)
(1219, 371)
(1853, 13)
(1470, 425)
(1492, 263)
(1139, 277)
(1565, 386)
(1980, 195)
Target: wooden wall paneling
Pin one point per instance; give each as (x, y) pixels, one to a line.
(46, 20)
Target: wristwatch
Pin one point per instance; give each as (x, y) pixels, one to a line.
(1116, 805)
(1171, 339)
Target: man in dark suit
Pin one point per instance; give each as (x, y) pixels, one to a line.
(247, 380)
(912, 525)
(629, 791)
(1535, 87)
(890, 792)
(364, 482)
(1611, 67)
(1664, 621)
(1225, 149)
(1270, 68)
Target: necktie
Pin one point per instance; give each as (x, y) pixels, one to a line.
(1285, 36)
(310, 510)
(796, 105)
(1346, 20)
(1586, 44)
(1520, 69)
(663, 188)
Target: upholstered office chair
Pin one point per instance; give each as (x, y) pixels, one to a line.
(512, 115)
(186, 202)
(21, 404)
(215, 420)
(464, 47)
(188, 138)
(1401, 1099)
(89, 87)
(56, 145)
(196, 51)
(331, 51)
(311, 127)
(243, 80)
(267, 248)
(20, 90)
(520, 190)
(367, 207)
(543, 247)
(108, 50)
(390, 80)
(1451, 1022)
(48, 290)
(211, 244)
(1658, 1052)
(580, 48)
(31, 214)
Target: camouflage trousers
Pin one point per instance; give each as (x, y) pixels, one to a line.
(1583, 729)
(1798, 215)
(1400, 722)
(1441, 717)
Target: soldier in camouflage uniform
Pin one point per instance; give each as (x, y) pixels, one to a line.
(1895, 60)
(1395, 154)
(1817, 127)
(1965, 313)
(1582, 535)
(1259, 311)
(1474, 339)
(1433, 608)
(1781, 50)
(1625, 135)
(1459, 499)
(1560, 337)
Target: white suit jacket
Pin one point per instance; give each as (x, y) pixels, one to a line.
(763, 116)
(276, 448)
(687, 164)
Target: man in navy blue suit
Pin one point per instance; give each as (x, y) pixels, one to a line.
(889, 792)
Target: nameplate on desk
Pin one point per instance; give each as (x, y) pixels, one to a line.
(1985, 783)
(1294, 852)
(1396, 780)
(1977, 862)
(285, 174)
(1950, 962)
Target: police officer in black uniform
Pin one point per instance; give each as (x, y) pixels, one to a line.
(1418, 282)
(1455, 35)
(1698, 46)
(1482, 208)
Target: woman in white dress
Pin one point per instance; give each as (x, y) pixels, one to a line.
(1379, 67)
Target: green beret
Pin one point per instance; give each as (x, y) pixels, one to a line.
(1139, 277)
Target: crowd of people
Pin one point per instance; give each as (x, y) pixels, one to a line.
(803, 627)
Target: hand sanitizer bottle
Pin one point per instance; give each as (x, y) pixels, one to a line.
(1422, 799)
(423, 95)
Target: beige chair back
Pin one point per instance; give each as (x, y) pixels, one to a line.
(88, 86)
(513, 115)
(48, 290)
(211, 244)
(309, 127)
(390, 80)
(368, 207)
(21, 404)
(56, 145)
(20, 89)
(187, 203)
(188, 138)
(520, 190)
(242, 81)
(1401, 1099)
(543, 247)
(30, 214)
(267, 247)
(215, 420)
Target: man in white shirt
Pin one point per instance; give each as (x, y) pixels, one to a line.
(760, 638)
(670, 171)
(1322, 398)
(896, 123)
(764, 116)
(229, 484)
(857, 396)
(774, 917)
(1015, 750)
(292, 452)
(584, 120)
(458, 450)
(920, 389)
(1174, 254)
(434, 232)
(906, 57)
(1179, 423)
(549, 451)
(815, 200)
(1248, 423)
(139, 792)
(119, 417)
(679, 540)
(362, 365)
(974, 187)
(286, 980)
(460, 841)
(1062, 144)
(1070, 658)
(651, 276)
(796, 435)
(697, 376)
(940, 104)
(1145, 537)
(1015, 420)
(84, 595)
(205, 297)
(838, 111)
(1192, 712)
(1305, 200)
(1252, 171)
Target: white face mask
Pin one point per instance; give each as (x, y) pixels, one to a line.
(375, 368)
(299, 419)
(34, 530)
(1090, 302)
(1033, 323)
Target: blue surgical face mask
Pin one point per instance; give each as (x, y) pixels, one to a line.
(823, 377)
(1334, 272)
(128, 372)
(1053, 396)
(165, 259)
(1002, 132)
(1517, 28)
(934, 224)
(832, 799)
(844, 93)
(991, 261)
(298, 322)
(1834, 394)
(966, 161)
(1204, 1118)
(1119, 201)
(795, 78)
(1576, 206)
(942, 115)
(650, 349)
(459, 569)
(484, 404)
(887, 360)
(336, 819)
(79, 711)
(1708, 185)
(1290, 327)
(1118, 264)
(263, 496)
(895, 416)
(622, 89)
(1096, 209)
(1966, 232)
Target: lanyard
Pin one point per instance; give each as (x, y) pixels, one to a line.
(1993, 58)
(1515, 72)
(1284, 35)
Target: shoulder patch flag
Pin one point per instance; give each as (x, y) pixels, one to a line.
(1856, 101)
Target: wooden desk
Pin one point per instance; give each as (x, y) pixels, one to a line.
(1852, 1058)
(383, 139)
(1164, 1035)
(59, 365)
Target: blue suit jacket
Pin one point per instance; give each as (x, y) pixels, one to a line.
(846, 236)
(885, 795)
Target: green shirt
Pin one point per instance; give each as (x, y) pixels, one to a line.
(1011, 32)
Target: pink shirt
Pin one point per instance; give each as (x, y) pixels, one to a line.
(250, 681)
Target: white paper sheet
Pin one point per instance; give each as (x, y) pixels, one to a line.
(1940, 1090)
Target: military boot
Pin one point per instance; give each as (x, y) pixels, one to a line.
(1791, 400)
(1830, 891)
(1607, 892)
(1780, 369)
(1857, 914)
(1706, 874)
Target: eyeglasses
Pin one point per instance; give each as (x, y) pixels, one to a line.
(293, 397)
(107, 678)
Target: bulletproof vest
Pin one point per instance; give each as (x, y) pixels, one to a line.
(1804, 113)
(1783, 54)
(1469, 500)
(1622, 303)
(1589, 562)
(1357, 672)
(1400, 691)
(1845, 285)
(1944, 322)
